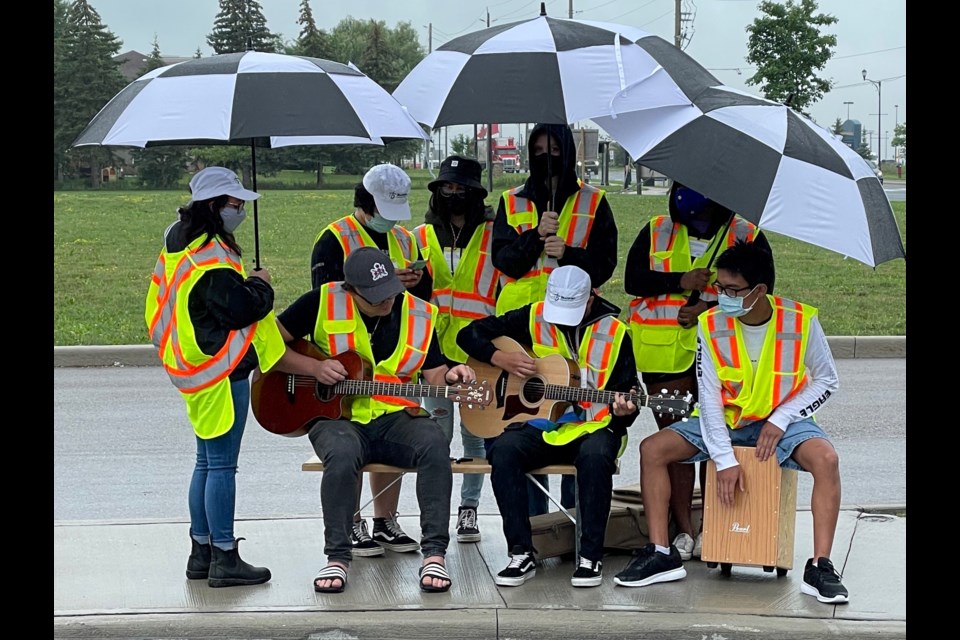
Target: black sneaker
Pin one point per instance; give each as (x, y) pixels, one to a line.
(823, 581)
(650, 566)
(522, 567)
(388, 534)
(589, 573)
(362, 544)
(467, 529)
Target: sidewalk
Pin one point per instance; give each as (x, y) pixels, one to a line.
(125, 580)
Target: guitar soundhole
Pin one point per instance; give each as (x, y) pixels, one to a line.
(324, 392)
(533, 390)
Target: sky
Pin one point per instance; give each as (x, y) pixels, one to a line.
(871, 35)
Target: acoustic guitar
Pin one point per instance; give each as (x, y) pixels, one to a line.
(548, 393)
(287, 404)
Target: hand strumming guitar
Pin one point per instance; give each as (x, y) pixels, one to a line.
(328, 372)
(460, 373)
(515, 363)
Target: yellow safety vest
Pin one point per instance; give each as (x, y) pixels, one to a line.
(202, 379)
(576, 221)
(467, 294)
(659, 343)
(352, 235)
(750, 395)
(596, 356)
(340, 328)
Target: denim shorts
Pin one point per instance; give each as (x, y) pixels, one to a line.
(796, 434)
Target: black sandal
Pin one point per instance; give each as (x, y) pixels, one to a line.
(434, 570)
(331, 572)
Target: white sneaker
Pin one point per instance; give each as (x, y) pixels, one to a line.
(684, 544)
(698, 545)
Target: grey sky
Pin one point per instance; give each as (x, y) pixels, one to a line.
(871, 35)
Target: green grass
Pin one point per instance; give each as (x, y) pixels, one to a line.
(106, 245)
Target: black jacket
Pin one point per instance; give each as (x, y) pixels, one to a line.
(515, 254)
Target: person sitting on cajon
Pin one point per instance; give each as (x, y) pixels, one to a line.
(763, 368)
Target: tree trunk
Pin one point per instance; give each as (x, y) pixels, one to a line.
(319, 175)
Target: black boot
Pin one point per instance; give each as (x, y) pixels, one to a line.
(198, 565)
(227, 569)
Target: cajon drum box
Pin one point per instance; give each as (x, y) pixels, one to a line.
(759, 528)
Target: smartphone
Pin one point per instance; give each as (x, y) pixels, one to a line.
(417, 265)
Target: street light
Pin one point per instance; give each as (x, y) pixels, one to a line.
(848, 108)
(877, 83)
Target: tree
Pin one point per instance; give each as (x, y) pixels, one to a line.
(240, 25)
(787, 48)
(462, 146)
(900, 138)
(85, 79)
(312, 42)
(837, 127)
(864, 151)
(154, 60)
(198, 54)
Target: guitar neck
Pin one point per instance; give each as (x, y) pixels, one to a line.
(403, 390)
(576, 394)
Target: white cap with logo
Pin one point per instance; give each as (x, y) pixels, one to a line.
(568, 290)
(389, 185)
(212, 182)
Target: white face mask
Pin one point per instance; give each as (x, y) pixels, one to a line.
(232, 217)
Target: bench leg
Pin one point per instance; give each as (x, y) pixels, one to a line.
(379, 493)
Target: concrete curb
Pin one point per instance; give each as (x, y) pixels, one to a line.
(144, 355)
(476, 624)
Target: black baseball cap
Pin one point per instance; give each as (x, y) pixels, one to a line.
(370, 272)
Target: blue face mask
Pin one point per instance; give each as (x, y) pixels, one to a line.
(232, 217)
(732, 306)
(380, 224)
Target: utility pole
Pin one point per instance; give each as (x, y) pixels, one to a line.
(430, 38)
(676, 24)
(570, 11)
(488, 16)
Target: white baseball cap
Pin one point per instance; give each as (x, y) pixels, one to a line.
(389, 185)
(568, 290)
(212, 182)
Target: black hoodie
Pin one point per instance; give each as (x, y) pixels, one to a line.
(516, 254)
(639, 280)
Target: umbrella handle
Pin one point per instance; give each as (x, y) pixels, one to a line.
(256, 218)
(695, 295)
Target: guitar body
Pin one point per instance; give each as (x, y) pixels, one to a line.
(518, 399)
(287, 404)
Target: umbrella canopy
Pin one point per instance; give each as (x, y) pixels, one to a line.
(763, 160)
(251, 98)
(549, 70)
(270, 99)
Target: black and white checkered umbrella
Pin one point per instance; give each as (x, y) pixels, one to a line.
(273, 99)
(255, 99)
(541, 70)
(763, 160)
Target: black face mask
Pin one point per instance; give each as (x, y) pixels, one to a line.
(538, 165)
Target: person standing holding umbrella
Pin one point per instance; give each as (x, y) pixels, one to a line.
(212, 325)
(456, 239)
(669, 261)
(380, 201)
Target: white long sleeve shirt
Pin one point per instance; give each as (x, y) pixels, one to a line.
(822, 383)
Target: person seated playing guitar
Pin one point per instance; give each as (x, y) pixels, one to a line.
(371, 313)
(582, 327)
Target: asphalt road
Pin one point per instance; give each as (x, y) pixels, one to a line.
(123, 449)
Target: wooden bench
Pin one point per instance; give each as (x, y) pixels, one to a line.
(477, 465)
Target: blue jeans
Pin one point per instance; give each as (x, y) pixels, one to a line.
(213, 487)
(795, 434)
(441, 410)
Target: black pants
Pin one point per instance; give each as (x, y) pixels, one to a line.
(521, 448)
